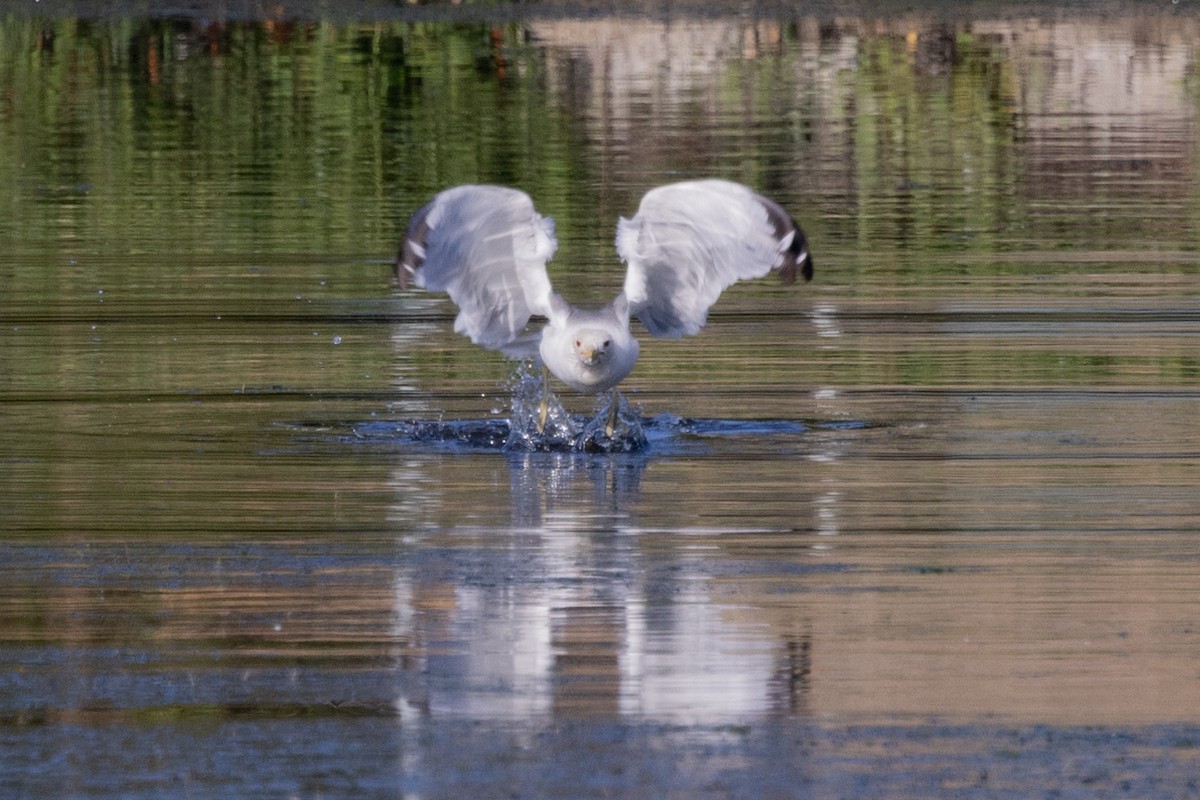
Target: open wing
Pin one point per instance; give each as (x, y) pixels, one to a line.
(487, 247)
(690, 240)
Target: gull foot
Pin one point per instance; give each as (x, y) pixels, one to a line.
(614, 411)
(544, 405)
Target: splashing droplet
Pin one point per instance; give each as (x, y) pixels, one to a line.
(540, 422)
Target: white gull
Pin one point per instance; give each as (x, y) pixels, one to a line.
(487, 247)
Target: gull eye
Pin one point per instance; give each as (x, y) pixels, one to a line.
(607, 342)
(578, 343)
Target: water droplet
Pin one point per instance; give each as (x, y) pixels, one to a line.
(337, 340)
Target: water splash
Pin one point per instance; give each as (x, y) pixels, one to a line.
(664, 434)
(531, 399)
(539, 422)
(614, 426)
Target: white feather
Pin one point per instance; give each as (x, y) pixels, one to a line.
(487, 247)
(687, 243)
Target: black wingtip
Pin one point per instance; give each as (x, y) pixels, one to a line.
(398, 268)
(796, 259)
(411, 253)
(406, 264)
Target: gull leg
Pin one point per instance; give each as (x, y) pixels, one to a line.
(614, 407)
(544, 406)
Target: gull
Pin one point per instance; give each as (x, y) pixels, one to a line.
(487, 247)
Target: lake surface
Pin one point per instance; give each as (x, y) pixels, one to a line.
(928, 526)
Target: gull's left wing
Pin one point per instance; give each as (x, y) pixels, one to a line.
(691, 240)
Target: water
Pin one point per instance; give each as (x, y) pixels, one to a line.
(925, 527)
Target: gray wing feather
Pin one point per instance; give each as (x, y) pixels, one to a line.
(487, 247)
(691, 240)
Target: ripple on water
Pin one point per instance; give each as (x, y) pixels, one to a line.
(578, 433)
(538, 422)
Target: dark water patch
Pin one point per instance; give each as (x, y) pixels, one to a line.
(95, 715)
(230, 754)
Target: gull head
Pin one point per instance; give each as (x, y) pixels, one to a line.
(592, 346)
(589, 350)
